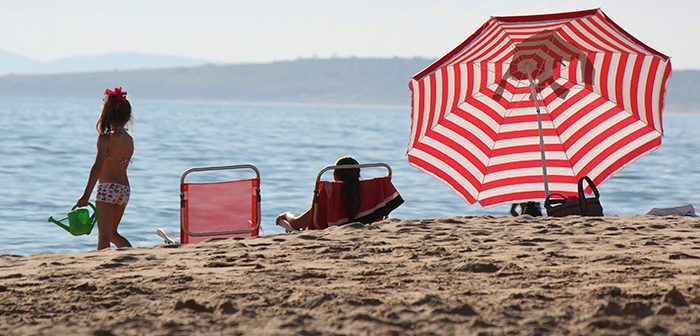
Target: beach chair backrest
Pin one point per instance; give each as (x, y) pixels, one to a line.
(219, 209)
(378, 197)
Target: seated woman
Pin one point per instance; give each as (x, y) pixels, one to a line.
(350, 191)
(347, 199)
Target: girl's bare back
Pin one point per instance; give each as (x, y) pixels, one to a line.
(120, 148)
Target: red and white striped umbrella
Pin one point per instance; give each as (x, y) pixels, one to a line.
(529, 104)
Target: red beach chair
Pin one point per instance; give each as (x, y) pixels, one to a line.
(378, 197)
(219, 209)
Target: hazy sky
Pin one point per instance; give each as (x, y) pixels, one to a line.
(267, 30)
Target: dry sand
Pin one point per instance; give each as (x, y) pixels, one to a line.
(464, 275)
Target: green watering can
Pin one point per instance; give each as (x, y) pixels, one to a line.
(79, 221)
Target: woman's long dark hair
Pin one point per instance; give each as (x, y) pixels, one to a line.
(115, 111)
(350, 190)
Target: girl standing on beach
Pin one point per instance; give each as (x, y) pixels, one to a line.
(114, 149)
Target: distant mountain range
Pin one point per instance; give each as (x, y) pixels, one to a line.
(365, 81)
(11, 63)
(341, 80)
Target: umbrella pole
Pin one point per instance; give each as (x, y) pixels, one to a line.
(533, 90)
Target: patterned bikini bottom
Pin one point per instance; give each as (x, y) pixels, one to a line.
(113, 193)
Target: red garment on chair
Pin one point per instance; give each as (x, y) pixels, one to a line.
(378, 197)
(218, 207)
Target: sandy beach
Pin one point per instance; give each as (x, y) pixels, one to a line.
(446, 276)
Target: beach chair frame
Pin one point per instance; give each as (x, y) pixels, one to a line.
(324, 170)
(217, 168)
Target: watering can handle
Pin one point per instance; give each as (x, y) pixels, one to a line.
(89, 204)
(94, 211)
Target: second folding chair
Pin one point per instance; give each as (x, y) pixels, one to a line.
(378, 197)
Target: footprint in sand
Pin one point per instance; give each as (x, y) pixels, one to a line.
(334, 249)
(372, 273)
(680, 255)
(316, 301)
(666, 310)
(109, 265)
(676, 298)
(309, 275)
(226, 307)
(125, 258)
(428, 299)
(463, 310)
(12, 276)
(85, 287)
(103, 332)
(181, 279)
(477, 268)
(260, 245)
(193, 305)
(634, 308)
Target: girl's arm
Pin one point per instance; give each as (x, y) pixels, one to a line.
(95, 170)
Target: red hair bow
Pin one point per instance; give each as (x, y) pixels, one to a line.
(117, 93)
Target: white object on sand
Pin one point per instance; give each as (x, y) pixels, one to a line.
(683, 210)
(167, 236)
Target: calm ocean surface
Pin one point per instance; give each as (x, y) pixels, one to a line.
(47, 148)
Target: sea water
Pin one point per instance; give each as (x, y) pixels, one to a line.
(47, 147)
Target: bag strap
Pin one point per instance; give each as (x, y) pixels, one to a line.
(547, 203)
(583, 202)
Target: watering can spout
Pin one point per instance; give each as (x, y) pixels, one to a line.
(58, 222)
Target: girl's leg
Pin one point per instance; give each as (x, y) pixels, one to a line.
(105, 217)
(118, 239)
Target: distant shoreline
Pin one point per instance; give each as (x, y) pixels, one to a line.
(367, 82)
(235, 102)
(280, 103)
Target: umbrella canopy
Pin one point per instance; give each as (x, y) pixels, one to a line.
(534, 102)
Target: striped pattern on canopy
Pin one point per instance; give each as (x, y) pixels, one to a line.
(600, 91)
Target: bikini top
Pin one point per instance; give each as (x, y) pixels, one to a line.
(120, 160)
